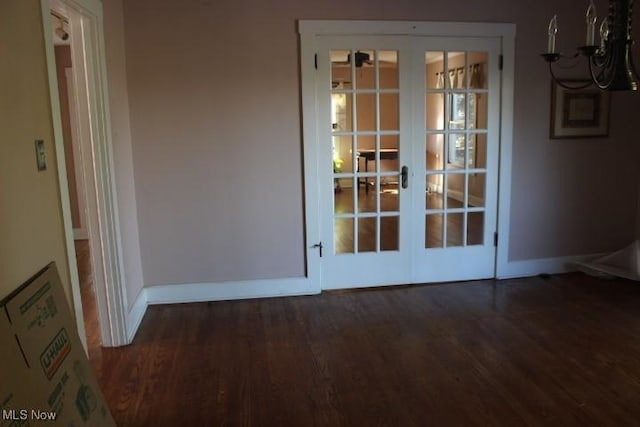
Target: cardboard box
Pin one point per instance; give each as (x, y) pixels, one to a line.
(46, 378)
(15, 390)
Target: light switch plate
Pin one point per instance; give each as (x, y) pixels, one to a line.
(41, 158)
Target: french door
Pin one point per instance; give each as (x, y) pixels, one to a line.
(408, 146)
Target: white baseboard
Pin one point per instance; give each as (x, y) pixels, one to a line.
(201, 292)
(220, 291)
(533, 267)
(136, 314)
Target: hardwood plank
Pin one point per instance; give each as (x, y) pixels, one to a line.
(88, 297)
(558, 351)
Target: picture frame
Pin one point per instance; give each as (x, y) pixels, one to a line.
(579, 113)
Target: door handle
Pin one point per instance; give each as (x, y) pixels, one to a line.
(405, 176)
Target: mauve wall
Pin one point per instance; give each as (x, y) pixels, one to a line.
(571, 196)
(215, 121)
(31, 224)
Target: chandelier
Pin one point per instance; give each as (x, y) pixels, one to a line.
(610, 63)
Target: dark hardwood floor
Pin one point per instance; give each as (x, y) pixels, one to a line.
(88, 296)
(558, 351)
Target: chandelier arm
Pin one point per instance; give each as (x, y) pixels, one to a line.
(601, 60)
(564, 85)
(611, 65)
(570, 61)
(606, 75)
(597, 78)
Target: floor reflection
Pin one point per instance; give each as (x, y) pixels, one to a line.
(344, 228)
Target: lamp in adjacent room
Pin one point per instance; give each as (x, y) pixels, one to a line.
(59, 30)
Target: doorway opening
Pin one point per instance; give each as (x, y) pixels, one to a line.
(61, 33)
(87, 189)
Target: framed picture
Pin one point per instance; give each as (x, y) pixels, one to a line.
(579, 113)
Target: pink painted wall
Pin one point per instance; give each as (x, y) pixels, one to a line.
(214, 91)
(572, 196)
(31, 223)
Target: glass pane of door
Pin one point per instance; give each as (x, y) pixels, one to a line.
(365, 108)
(456, 111)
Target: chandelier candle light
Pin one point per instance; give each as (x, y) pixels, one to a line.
(611, 64)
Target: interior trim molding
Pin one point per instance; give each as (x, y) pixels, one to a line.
(507, 101)
(221, 291)
(534, 267)
(270, 288)
(136, 314)
(181, 293)
(428, 28)
(95, 129)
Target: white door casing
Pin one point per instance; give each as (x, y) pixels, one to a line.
(89, 75)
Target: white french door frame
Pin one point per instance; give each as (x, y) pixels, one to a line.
(312, 31)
